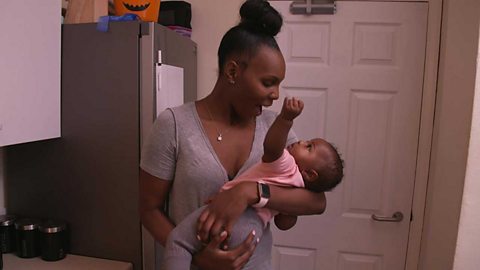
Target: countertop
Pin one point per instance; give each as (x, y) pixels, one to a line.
(70, 262)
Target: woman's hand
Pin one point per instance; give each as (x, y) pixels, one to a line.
(213, 258)
(224, 210)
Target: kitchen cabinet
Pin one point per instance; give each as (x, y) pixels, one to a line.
(30, 70)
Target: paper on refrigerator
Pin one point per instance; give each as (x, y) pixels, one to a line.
(169, 87)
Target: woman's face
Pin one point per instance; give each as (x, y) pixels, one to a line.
(257, 84)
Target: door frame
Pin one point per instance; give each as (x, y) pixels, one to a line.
(432, 52)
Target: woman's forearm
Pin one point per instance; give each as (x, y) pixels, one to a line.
(157, 224)
(296, 201)
(291, 201)
(153, 193)
(227, 206)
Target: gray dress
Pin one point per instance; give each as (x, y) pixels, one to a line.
(178, 150)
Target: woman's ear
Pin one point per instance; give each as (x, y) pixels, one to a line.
(309, 174)
(231, 71)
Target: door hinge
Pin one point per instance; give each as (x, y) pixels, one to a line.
(310, 7)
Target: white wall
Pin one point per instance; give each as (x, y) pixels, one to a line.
(210, 20)
(452, 125)
(468, 241)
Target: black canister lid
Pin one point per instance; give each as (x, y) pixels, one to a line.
(26, 224)
(7, 220)
(52, 226)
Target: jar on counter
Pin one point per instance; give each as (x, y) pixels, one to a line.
(27, 237)
(53, 240)
(7, 233)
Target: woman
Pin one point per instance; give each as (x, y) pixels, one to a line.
(195, 148)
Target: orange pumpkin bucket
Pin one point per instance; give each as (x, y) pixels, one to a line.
(147, 10)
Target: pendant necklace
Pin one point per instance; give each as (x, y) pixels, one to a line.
(219, 133)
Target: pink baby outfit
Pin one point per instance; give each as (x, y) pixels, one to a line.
(281, 172)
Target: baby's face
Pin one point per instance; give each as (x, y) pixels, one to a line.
(309, 154)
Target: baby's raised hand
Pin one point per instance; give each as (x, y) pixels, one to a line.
(292, 107)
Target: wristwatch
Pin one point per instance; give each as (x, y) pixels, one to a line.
(263, 194)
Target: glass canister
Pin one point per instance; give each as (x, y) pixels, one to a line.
(7, 233)
(26, 230)
(53, 240)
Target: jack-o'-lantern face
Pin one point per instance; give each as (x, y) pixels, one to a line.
(147, 10)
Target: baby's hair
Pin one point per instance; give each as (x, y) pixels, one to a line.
(259, 25)
(330, 175)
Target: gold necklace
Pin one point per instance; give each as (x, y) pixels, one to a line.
(219, 133)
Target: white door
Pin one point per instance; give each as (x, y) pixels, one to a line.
(360, 74)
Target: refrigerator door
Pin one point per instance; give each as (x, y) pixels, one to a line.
(169, 88)
(160, 45)
(177, 58)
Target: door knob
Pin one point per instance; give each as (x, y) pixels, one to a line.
(396, 217)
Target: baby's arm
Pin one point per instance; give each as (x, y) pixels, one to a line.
(277, 134)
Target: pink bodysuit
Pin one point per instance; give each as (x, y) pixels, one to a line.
(281, 172)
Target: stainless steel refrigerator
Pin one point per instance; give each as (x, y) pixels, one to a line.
(89, 176)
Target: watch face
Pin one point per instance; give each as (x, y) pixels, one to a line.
(265, 191)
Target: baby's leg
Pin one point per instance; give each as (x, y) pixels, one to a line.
(181, 243)
(248, 222)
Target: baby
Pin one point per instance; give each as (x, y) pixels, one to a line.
(314, 165)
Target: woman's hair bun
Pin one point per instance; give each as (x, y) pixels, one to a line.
(258, 16)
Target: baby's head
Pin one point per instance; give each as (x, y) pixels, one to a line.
(319, 163)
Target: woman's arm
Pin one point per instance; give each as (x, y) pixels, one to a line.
(153, 193)
(227, 206)
(224, 209)
(296, 201)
